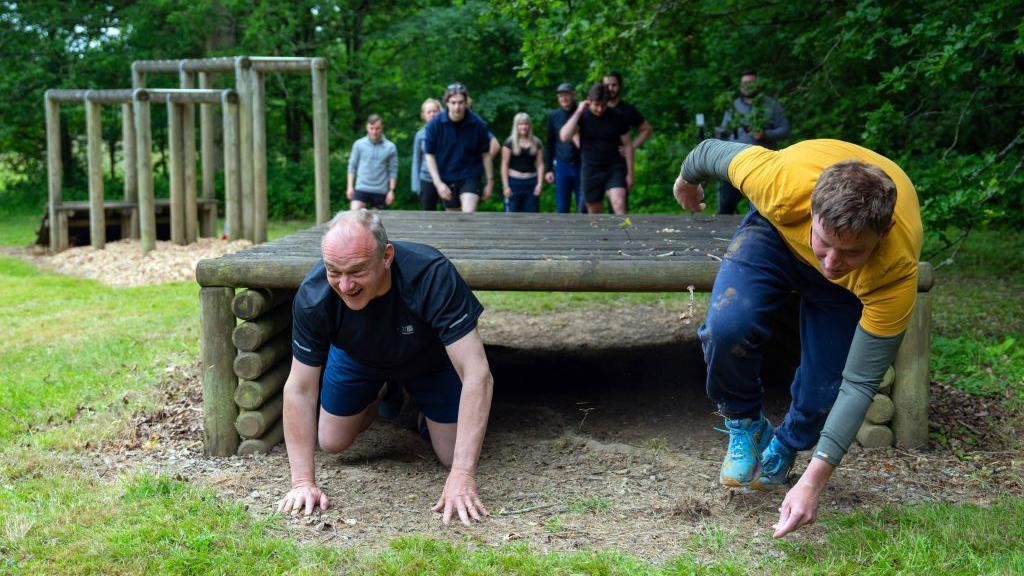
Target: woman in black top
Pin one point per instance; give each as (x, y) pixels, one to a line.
(522, 163)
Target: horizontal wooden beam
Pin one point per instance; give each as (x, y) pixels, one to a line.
(223, 65)
(78, 96)
(185, 96)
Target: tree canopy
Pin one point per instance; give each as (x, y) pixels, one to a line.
(935, 86)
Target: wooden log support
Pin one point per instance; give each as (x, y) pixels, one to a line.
(131, 178)
(885, 387)
(263, 445)
(255, 302)
(255, 423)
(252, 365)
(321, 154)
(243, 85)
(188, 136)
(251, 394)
(55, 174)
(219, 381)
(176, 167)
(208, 163)
(94, 139)
(874, 435)
(251, 334)
(259, 156)
(880, 411)
(232, 174)
(144, 161)
(911, 386)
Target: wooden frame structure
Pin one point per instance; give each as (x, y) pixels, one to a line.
(249, 74)
(250, 219)
(184, 217)
(246, 347)
(57, 211)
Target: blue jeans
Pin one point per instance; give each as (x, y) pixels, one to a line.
(757, 274)
(567, 187)
(522, 199)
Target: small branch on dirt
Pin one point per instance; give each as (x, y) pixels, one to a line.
(525, 510)
(586, 412)
(709, 255)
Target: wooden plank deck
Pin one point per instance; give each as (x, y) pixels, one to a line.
(497, 251)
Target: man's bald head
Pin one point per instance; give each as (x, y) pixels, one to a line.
(349, 225)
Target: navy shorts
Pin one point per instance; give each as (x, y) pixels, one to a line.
(348, 387)
(464, 186)
(371, 199)
(599, 179)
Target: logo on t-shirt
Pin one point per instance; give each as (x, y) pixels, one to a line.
(406, 330)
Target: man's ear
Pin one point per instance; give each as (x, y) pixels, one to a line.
(389, 255)
(887, 228)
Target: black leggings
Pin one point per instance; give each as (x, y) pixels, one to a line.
(428, 196)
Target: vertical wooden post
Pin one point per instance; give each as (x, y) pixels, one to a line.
(94, 140)
(242, 85)
(911, 387)
(208, 163)
(320, 151)
(219, 381)
(54, 169)
(131, 178)
(177, 172)
(232, 181)
(259, 156)
(188, 136)
(144, 159)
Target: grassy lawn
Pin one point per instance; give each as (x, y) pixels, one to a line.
(77, 358)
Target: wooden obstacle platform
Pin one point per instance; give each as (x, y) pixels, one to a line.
(245, 302)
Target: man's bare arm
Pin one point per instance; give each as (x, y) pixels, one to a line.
(470, 361)
(299, 414)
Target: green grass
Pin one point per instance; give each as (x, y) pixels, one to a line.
(18, 225)
(71, 346)
(72, 351)
(978, 318)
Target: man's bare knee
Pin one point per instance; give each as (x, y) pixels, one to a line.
(333, 444)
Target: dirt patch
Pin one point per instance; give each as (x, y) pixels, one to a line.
(121, 263)
(612, 458)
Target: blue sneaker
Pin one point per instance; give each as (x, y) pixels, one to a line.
(776, 462)
(747, 439)
(390, 405)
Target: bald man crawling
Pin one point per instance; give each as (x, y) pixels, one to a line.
(373, 312)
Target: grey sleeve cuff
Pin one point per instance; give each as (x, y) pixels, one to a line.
(710, 159)
(870, 356)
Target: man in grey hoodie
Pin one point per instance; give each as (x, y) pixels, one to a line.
(755, 119)
(372, 168)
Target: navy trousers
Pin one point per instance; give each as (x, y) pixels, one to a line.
(756, 276)
(567, 186)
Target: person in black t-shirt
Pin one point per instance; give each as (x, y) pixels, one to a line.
(602, 132)
(636, 120)
(522, 165)
(369, 312)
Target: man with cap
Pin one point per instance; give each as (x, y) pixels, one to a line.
(563, 158)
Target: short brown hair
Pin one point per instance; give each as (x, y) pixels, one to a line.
(598, 93)
(851, 197)
(373, 118)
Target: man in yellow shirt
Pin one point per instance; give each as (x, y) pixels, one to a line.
(841, 226)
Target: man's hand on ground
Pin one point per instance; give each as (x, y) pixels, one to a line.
(800, 507)
(689, 196)
(303, 497)
(460, 496)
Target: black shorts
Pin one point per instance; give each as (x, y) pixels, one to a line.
(464, 186)
(599, 179)
(371, 199)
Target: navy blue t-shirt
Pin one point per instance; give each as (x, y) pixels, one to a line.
(428, 307)
(458, 146)
(601, 137)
